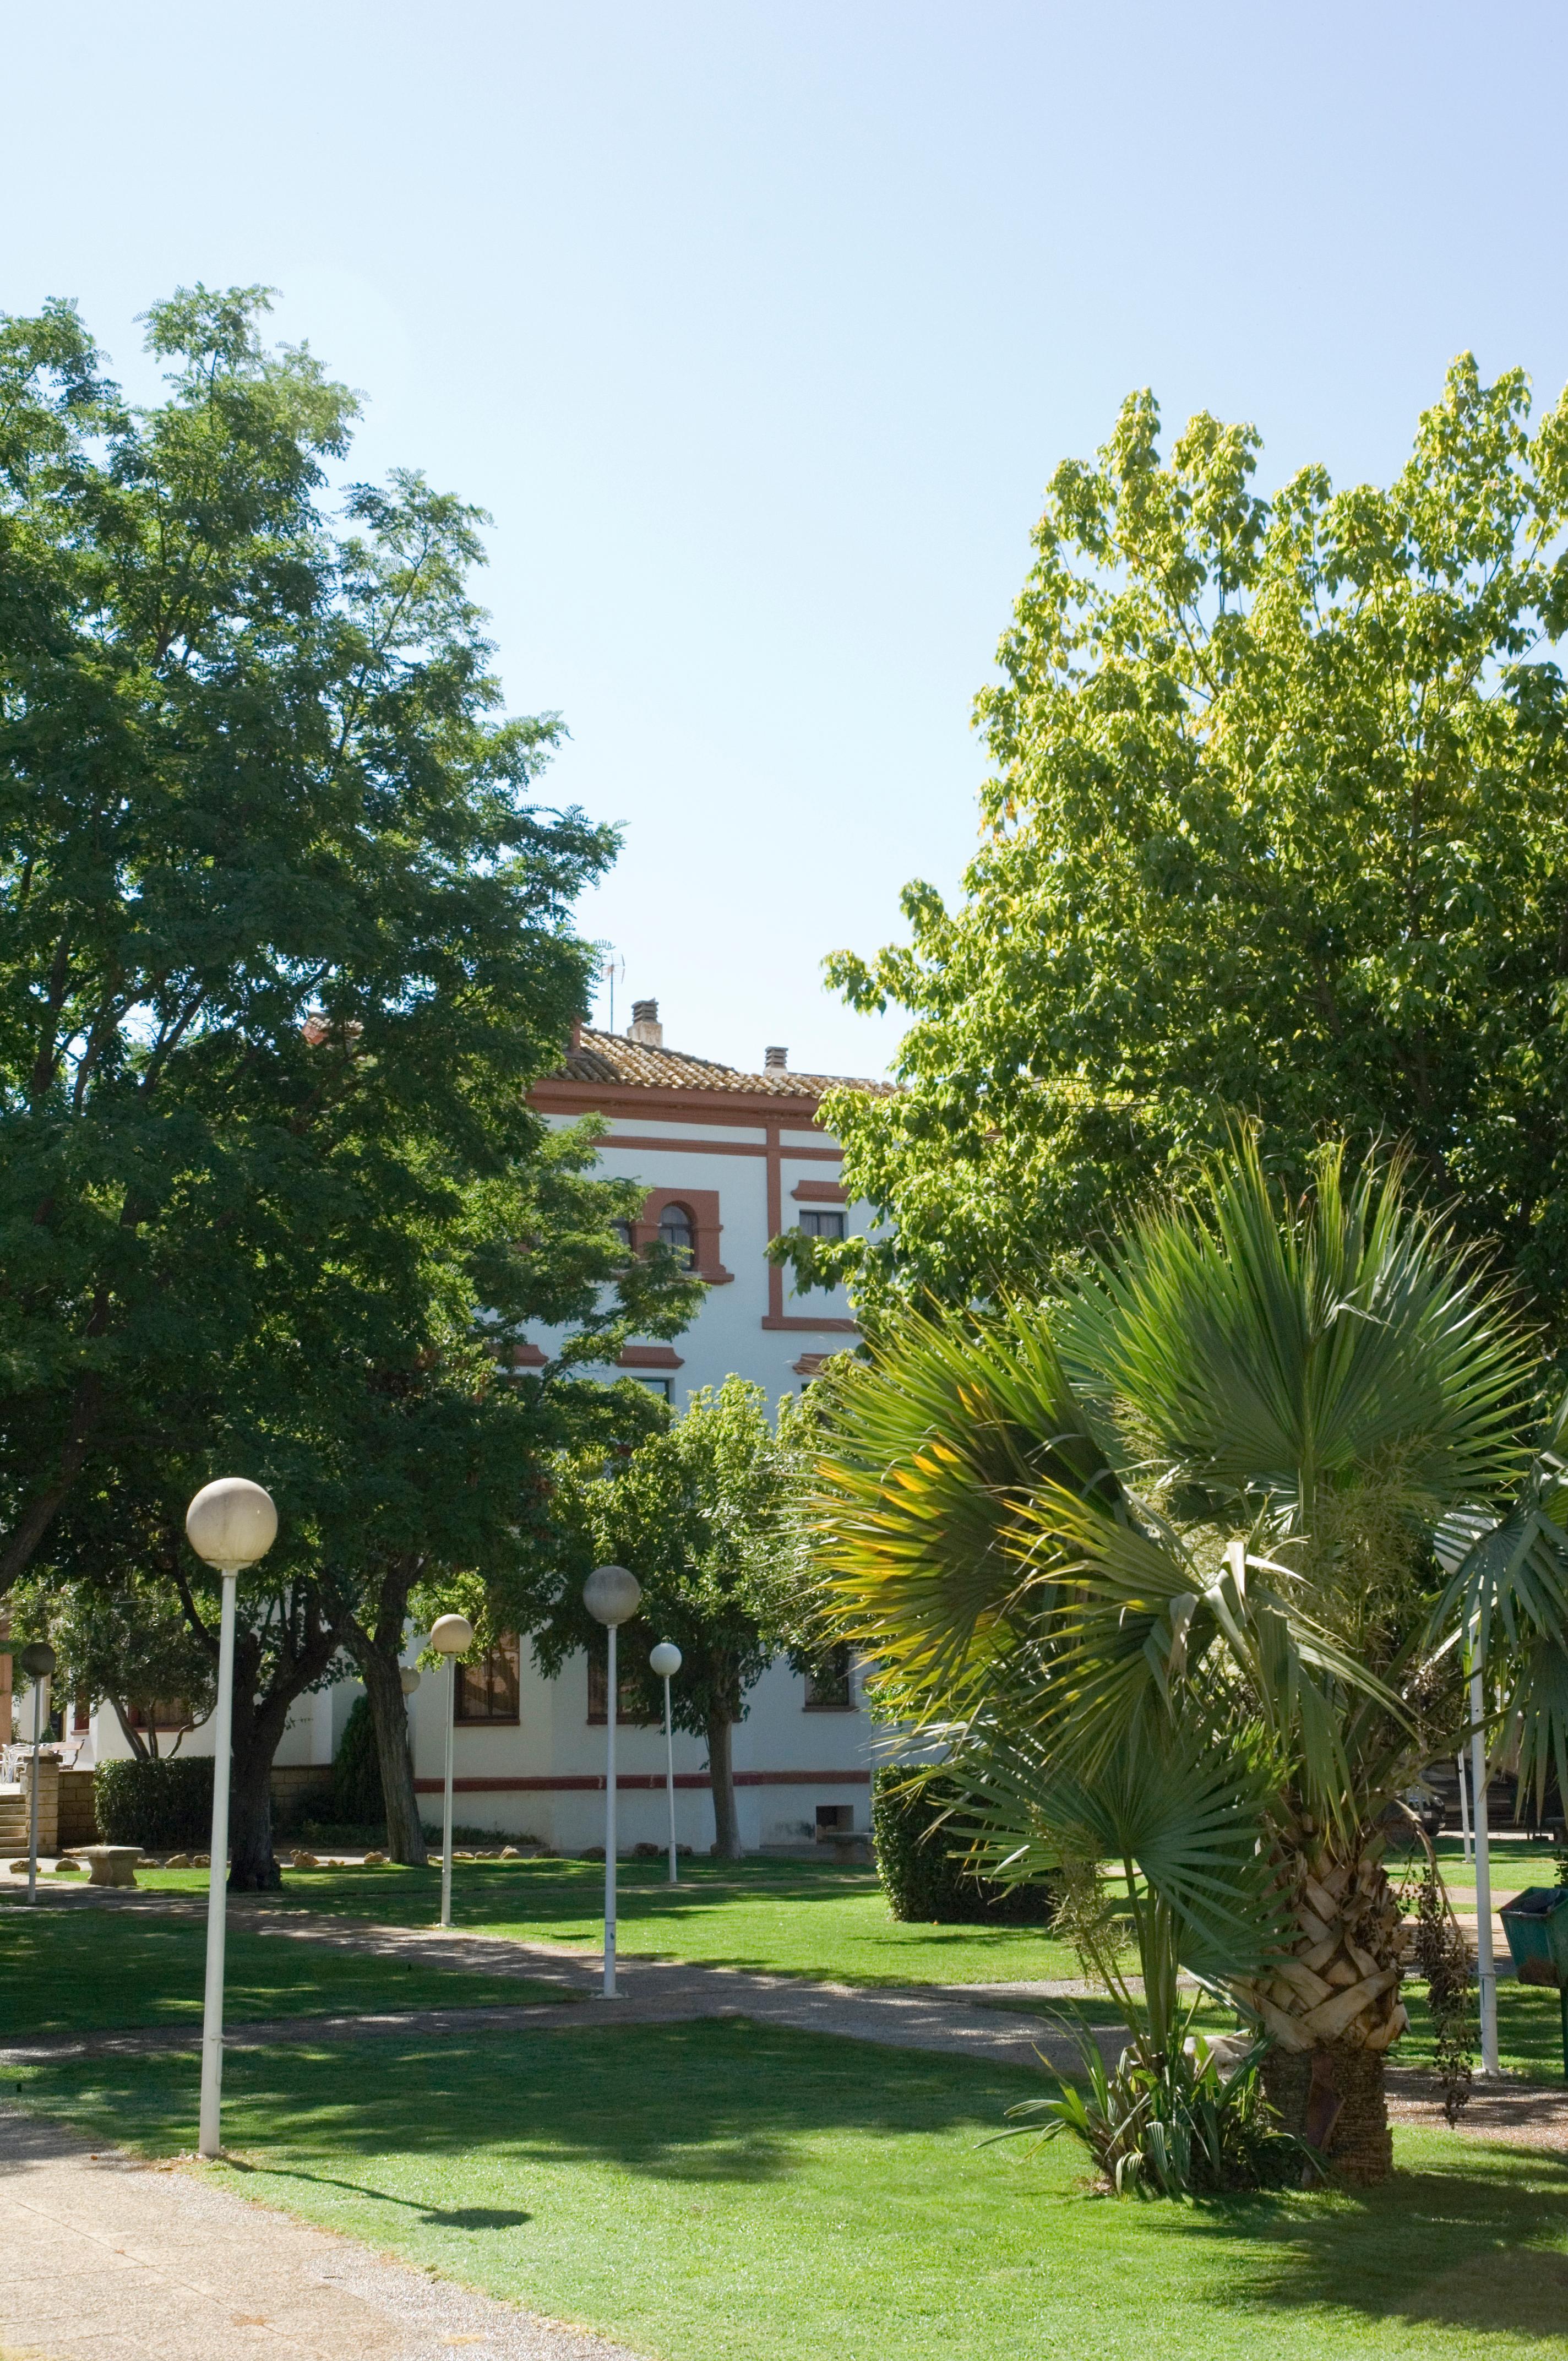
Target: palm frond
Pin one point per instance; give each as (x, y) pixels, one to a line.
(1186, 1810)
(1255, 1348)
(929, 1453)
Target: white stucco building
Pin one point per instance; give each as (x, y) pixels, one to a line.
(729, 1159)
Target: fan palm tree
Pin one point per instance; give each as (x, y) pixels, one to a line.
(1231, 1503)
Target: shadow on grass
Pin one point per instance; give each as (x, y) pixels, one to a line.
(558, 1899)
(1476, 2244)
(89, 1972)
(1470, 2239)
(708, 2101)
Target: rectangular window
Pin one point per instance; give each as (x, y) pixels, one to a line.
(598, 1687)
(821, 1222)
(830, 1687)
(490, 1690)
(659, 1385)
(834, 1821)
(157, 1713)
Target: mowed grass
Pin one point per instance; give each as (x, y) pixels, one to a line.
(790, 1918)
(86, 1971)
(727, 2191)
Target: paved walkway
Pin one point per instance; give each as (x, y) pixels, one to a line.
(107, 2259)
(970, 2020)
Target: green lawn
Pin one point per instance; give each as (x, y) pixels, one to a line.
(734, 2192)
(82, 1972)
(796, 1917)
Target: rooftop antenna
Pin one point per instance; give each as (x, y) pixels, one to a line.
(613, 967)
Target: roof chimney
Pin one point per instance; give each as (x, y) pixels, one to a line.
(775, 1057)
(645, 1025)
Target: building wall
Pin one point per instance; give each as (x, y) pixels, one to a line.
(762, 1158)
(544, 1775)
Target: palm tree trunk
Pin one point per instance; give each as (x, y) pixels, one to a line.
(1334, 2004)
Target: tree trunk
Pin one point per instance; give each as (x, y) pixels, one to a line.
(1334, 2004)
(252, 1869)
(721, 1777)
(382, 1673)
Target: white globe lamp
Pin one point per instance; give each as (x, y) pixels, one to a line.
(230, 1524)
(451, 1636)
(611, 1595)
(664, 1661)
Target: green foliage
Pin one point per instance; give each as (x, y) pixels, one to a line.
(922, 1865)
(1047, 1506)
(1189, 2124)
(165, 1805)
(702, 1510)
(1177, 1567)
(286, 942)
(356, 1772)
(1274, 828)
(130, 1645)
(1441, 1952)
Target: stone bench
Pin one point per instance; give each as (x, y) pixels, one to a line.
(110, 1864)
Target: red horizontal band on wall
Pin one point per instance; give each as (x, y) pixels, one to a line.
(643, 1779)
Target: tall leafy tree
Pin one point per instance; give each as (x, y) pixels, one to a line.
(283, 931)
(1274, 828)
(705, 1513)
(284, 940)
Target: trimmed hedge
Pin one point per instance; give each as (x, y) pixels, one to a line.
(165, 1805)
(356, 1797)
(919, 1876)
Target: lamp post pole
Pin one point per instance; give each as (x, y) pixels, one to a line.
(230, 1524)
(37, 1661)
(454, 1636)
(610, 1595)
(665, 1660)
(1485, 1965)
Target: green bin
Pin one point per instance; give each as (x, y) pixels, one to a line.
(1536, 1924)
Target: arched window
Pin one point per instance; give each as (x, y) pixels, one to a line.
(676, 1232)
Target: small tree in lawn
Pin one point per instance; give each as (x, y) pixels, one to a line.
(129, 1645)
(703, 1513)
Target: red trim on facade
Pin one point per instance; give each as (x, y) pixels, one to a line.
(562, 1094)
(814, 1327)
(655, 1145)
(642, 1782)
(820, 1192)
(649, 1357)
(527, 1357)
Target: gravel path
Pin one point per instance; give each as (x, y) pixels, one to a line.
(107, 2259)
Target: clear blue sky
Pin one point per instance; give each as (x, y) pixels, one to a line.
(759, 328)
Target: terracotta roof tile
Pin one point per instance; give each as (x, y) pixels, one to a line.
(608, 1058)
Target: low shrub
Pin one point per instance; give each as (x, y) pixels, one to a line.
(1186, 2120)
(922, 1872)
(165, 1805)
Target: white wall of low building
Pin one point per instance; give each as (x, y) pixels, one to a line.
(543, 1775)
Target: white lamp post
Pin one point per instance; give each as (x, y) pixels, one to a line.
(665, 1660)
(610, 1596)
(1485, 1965)
(453, 1635)
(38, 1662)
(229, 1524)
